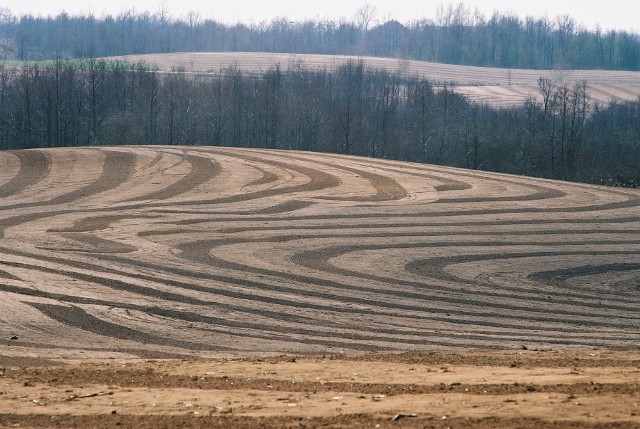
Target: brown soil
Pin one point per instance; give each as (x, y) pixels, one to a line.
(526, 389)
(161, 252)
(114, 255)
(495, 86)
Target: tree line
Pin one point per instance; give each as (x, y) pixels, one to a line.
(351, 110)
(456, 36)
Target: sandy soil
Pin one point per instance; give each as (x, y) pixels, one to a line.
(526, 389)
(110, 256)
(495, 86)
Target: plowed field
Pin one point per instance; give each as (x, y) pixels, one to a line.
(120, 254)
(498, 87)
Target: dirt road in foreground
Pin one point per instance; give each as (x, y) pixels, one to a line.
(541, 389)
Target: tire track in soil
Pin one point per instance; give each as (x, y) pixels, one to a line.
(194, 317)
(561, 276)
(34, 166)
(288, 304)
(201, 171)
(308, 326)
(317, 260)
(493, 318)
(387, 189)
(118, 167)
(78, 318)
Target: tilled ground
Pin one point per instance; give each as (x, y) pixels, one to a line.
(113, 256)
(164, 252)
(493, 86)
(579, 388)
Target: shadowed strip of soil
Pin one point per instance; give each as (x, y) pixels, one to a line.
(123, 377)
(289, 206)
(387, 189)
(630, 202)
(560, 276)
(305, 334)
(78, 318)
(319, 180)
(267, 177)
(317, 259)
(541, 192)
(353, 341)
(392, 190)
(436, 267)
(106, 421)
(218, 325)
(309, 328)
(34, 166)
(96, 223)
(92, 244)
(6, 275)
(447, 184)
(117, 169)
(466, 216)
(26, 218)
(411, 226)
(202, 170)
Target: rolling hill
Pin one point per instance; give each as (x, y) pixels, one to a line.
(168, 251)
(494, 86)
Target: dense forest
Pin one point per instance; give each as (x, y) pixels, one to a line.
(352, 110)
(456, 36)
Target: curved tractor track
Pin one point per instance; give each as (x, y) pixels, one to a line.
(167, 252)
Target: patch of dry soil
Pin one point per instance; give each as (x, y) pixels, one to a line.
(583, 388)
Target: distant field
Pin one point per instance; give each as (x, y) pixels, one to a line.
(494, 86)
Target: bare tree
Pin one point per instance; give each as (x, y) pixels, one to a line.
(364, 16)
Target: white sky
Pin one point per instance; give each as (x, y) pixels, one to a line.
(610, 14)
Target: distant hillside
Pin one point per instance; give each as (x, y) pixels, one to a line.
(456, 37)
(497, 87)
